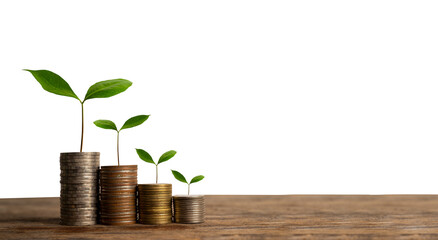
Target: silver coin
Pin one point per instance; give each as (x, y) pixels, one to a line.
(79, 166)
(118, 191)
(79, 176)
(78, 223)
(78, 193)
(79, 202)
(78, 215)
(75, 173)
(118, 188)
(79, 155)
(80, 161)
(70, 216)
(77, 181)
(80, 188)
(79, 212)
(79, 171)
(118, 214)
(84, 158)
(67, 194)
(84, 197)
(71, 207)
(80, 207)
(90, 184)
(85, 169)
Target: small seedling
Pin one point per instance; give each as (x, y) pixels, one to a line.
(181, 178)
(130, 123)
(147, 158)
(53, 83)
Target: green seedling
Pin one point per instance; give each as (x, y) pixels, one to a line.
(53, 83)
(130, 123)
(147, 158)
(181, 178)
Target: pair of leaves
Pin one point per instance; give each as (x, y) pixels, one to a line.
(181, 177)
(130, 123)
(145, 156)
(53, 83)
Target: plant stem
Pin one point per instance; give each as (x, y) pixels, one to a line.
(82, 134)
(118, 159)
(156, 175)
(188, 192)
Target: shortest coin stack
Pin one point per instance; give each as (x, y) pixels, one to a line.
(155, 203)
(79, 188)
(188, 209)
(118, 195)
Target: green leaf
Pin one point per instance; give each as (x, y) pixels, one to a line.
(52, 82)
(166, 156)
(144, 156)
(197, 179)
(179, 176)
(107, 88)
(134, 121)
(105, 124)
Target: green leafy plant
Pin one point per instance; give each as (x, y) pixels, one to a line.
(181, 178)
(53, 83)
(130, 123)
(147, 158)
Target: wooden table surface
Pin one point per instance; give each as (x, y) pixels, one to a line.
(248, 217)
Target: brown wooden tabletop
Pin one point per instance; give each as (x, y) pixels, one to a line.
(248, 217)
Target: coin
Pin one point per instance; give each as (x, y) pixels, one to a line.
(188, 209)
(119, 168)
(78, 222)
(78, 206)
(154, 203)
(80, 159)
(79, 170)
(117, 209)
(78, 215)
(118, 191)
(79, 188)
(118, 194)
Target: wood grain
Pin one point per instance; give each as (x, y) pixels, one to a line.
(248, 217)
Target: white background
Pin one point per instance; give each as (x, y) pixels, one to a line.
(261, 97)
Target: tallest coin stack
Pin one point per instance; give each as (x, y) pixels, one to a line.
(79, 188)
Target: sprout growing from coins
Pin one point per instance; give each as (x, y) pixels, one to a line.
(53, 83)
(181, 178)
(130, 123)
(145, 156)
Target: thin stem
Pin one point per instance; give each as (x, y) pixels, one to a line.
(82, 134)
(118, 159)
(188, 192)
(156, 175)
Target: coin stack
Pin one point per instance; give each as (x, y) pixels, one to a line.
(188, 209)
(155, 203)
(79, 188)
(118, 195)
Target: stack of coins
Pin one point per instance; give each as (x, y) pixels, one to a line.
(188, 209)
(79, 188)
(155, 203)
(118, 195)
